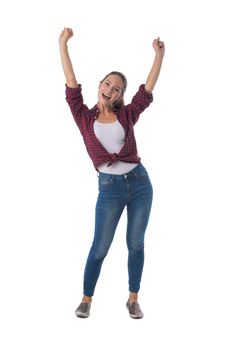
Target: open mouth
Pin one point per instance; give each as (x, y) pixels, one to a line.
(105, 97)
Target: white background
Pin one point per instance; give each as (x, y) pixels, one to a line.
(49, 186)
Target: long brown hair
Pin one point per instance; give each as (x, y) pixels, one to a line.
(119, 103)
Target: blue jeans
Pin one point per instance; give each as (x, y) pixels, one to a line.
(134, 191)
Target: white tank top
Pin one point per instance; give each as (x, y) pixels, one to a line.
(112, 138)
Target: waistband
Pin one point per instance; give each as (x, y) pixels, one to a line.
(139, 170)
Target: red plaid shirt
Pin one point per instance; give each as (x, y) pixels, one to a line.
(127, 116)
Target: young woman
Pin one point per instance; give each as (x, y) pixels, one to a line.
(107, 131)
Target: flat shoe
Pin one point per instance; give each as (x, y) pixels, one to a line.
(134, 309)
(83, 310)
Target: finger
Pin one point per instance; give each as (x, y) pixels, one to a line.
(70, 32)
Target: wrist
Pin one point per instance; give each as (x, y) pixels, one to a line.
(63, 46)
(159, 54)
(158, 57)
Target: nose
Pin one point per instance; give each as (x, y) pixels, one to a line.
(109, 89)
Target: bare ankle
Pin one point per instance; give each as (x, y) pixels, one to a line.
(133, 297)
(86, 299)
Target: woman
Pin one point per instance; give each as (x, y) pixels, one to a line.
(107, 131)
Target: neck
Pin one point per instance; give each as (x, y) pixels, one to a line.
(104, 110)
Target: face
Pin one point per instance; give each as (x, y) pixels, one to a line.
(110, 90)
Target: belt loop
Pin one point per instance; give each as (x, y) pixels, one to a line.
(112, 177)
(133, 171)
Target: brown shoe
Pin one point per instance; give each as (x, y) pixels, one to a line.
(83, 310)
(134, 309)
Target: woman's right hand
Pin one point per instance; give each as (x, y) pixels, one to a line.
(65, 35)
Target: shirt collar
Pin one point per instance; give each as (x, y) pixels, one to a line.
(95, 110)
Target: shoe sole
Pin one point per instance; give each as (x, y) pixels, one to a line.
(81, 315)
(136, 317)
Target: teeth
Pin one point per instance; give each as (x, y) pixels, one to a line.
(106, 96)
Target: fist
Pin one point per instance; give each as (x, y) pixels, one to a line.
(65, 35)
(159, 46)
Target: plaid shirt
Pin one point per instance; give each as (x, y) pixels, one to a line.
(127, 116)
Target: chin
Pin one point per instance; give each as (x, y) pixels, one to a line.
(104, 102)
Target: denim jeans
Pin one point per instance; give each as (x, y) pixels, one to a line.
(133, 191)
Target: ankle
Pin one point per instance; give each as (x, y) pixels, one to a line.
(86, 299)
(133, 297)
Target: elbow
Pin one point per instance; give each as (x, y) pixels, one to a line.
(72, 83)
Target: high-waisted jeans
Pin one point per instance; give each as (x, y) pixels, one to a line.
(134, 191)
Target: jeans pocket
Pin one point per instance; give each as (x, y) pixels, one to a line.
(105, 180)
(141, 172)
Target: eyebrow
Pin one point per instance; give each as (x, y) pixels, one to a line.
(112, 83)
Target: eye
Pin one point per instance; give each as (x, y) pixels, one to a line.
(117, 89)
(107, 83)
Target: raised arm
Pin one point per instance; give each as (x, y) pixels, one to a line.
(65, 35)
(155, 69)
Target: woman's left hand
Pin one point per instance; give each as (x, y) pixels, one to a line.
(159, 46)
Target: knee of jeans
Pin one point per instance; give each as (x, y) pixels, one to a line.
(135, 246)
(99, 254)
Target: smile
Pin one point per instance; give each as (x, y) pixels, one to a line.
(106, 97)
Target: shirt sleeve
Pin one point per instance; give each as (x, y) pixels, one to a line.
(140, 101)
(74, 99)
